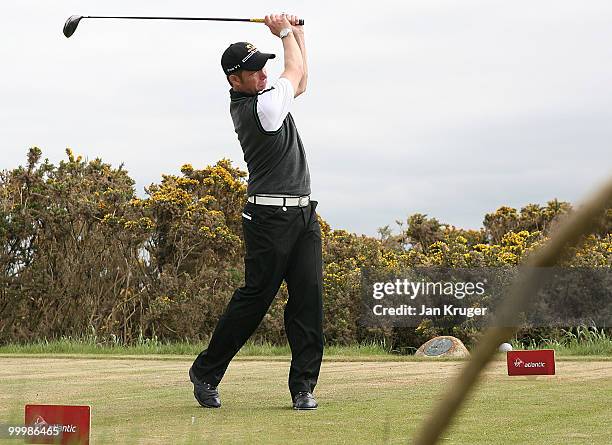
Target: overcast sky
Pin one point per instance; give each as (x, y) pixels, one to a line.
(449, 108)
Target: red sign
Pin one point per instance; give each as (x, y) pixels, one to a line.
(539, 362)
(50, 422)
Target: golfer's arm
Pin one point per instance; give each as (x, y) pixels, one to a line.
(299, 37)
(294, 65)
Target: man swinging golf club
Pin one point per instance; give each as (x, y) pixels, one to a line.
(281, 231)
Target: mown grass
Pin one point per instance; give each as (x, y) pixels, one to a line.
(137, 401)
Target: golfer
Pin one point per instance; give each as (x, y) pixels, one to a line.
(281, 231)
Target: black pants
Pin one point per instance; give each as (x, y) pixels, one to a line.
(281, 243)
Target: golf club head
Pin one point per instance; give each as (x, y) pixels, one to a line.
(71, 24)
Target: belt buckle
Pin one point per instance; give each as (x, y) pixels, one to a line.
(303, 201)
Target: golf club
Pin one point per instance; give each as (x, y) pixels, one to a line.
(73, 21)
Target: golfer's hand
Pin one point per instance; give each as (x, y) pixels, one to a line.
(276, 23)
(294, 20)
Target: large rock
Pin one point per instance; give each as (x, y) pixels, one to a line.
(443, 346)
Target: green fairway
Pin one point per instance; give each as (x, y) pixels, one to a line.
(150, 401)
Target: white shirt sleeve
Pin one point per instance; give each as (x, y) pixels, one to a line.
(273, 105)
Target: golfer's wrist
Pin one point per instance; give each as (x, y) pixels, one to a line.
(299, 35)
(285, 32)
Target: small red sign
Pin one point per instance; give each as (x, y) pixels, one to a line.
(49, 422)
(538, 362)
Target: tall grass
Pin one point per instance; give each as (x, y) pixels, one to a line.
(154, 346)
(581, 340)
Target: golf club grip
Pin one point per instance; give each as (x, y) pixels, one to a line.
(300, 21)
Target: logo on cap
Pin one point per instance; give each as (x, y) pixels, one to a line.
(252, 50)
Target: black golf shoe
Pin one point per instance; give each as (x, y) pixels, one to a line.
(304, 400)
(206, 394)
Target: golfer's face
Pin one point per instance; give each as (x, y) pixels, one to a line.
(255, 81)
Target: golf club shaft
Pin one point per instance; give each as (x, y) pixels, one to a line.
(217, 19)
